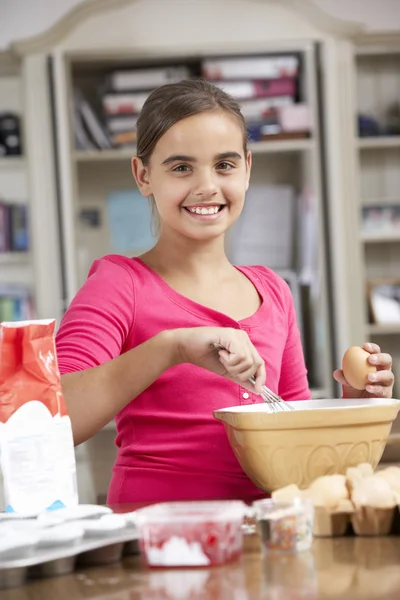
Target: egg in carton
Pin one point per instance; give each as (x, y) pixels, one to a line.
(375, 497)
(332, 506)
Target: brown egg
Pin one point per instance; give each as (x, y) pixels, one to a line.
(356, 367)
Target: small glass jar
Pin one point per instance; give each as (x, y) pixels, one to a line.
(285, 526)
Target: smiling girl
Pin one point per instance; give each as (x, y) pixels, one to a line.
(135, 344)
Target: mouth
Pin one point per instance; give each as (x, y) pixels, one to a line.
(203, 210)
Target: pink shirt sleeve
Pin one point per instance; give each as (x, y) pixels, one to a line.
(293, 383)
(98, 320)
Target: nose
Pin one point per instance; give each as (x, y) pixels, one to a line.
(205, 186)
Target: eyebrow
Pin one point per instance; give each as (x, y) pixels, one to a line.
(186, 158)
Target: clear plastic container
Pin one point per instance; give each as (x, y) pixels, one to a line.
(191, 534)
(285, 526)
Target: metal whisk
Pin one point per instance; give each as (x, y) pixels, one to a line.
(275, 402)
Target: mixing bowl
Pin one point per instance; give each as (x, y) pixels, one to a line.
(319, 437)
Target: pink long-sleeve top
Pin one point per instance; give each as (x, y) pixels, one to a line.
(170, 447)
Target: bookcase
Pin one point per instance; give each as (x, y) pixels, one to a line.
(70, 186)
(378, 147)
(16, 269)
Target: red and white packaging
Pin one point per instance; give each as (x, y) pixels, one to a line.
(37, 454)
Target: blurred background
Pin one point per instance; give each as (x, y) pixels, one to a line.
(319, 85)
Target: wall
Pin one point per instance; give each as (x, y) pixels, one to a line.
(24, 18)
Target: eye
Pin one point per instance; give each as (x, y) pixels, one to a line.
(181, 168)
(225, 166)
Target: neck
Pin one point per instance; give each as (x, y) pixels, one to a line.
(191, 257)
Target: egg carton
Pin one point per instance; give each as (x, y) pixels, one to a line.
(49, 546)
(361, 521)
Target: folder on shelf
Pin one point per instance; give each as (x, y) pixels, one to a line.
(264, 233)
(129, 218)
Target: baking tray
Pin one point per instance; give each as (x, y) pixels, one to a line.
(62, 560)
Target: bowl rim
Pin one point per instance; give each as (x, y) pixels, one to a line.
(376, 410)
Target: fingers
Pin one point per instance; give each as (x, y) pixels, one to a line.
(340, 378)
(371, 348)
(381, 361)
(380, 383)
(242, 361)
(260, 376)
(241, 366)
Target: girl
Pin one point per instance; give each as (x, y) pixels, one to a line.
(135, 343)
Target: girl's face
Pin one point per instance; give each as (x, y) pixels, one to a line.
(198, 174)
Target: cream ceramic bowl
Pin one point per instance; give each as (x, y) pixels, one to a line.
(320, 437)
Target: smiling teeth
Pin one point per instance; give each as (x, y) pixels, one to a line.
(204, 211)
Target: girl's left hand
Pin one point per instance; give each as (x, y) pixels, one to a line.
(380, 384)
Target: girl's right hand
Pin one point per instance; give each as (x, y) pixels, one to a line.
(238, 362)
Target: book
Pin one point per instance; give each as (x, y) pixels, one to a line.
(15, 303)
(121, 124)
(13, 228)
(259, 88)
(257, 109)
(4, 228)
(128, 104)
(18, 228)
(261, 67)
(94, 126)
(124, 139)
(82, 139)
(141, 79)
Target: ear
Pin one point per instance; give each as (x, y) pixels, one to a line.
(141, 175)
(248, 168)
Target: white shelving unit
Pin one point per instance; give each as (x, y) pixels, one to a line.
(296, 162)
(15, 267)
(14, 258)
(377, 75)
(97, 35)
(265, 147)
(386, 141)
(385, 238)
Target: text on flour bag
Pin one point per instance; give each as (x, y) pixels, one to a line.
(37, 454)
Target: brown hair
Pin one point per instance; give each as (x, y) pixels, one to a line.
(173, 102)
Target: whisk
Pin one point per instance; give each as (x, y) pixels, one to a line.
(275, 402)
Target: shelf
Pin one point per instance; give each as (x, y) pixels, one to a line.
(12, 162)
(383, 329)
(14, 258)
(383, 238)
(267, 147)
(277, 146)
(103, 155)
(390, 141)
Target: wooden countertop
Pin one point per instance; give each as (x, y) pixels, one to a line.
(350, 568)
